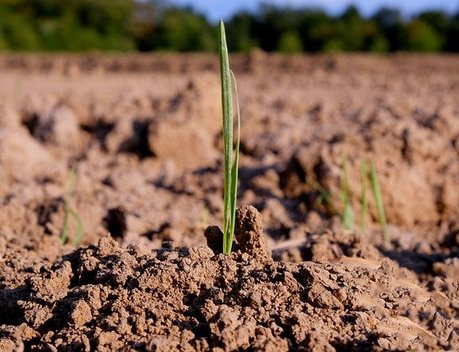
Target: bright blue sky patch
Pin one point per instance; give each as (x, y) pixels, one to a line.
(216, 9)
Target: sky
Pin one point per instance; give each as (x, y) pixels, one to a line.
(215, 9)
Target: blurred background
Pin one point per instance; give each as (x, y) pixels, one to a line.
(185, 25)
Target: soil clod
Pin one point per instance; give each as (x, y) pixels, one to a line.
(249, 233)
(249, 238)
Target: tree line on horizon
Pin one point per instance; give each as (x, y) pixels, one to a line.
(132, 25)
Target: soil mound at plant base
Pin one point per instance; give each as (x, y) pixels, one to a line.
(106, 298)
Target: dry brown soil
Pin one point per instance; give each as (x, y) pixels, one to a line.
(143, 134)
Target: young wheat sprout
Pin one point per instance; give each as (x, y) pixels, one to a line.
(377, 194)
(231, 158)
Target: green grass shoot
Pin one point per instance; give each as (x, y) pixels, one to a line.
(377, 194)
(363, 195)
(69, 211)
(324, 197)
(348, 218)
(231, 158)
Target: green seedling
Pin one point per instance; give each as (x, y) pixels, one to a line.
(69, 211)
(368, 174)
(324, 198)
(231, 158)
(377, 194)
(348, 212)
(363, 195)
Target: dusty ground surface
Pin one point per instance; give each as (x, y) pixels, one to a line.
(142, 133)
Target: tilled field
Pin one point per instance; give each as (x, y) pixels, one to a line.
(143, 134)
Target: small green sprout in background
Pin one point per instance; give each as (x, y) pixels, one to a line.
(348, 212)
(367, 173)
(230, 161)
(69, 211)
(377, 194)
(324, 198)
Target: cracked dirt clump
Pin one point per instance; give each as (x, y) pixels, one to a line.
(249, 234)
(249, 241)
